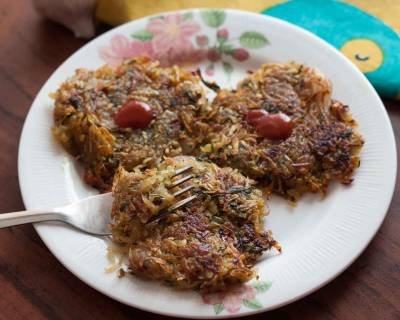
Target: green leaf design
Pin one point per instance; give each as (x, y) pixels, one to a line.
(227, 67)
(253, 40)
(143, 35)
(187, 15)
(227, 48)
(213, 18)
(252, 304)
(262, 286)
(157, 17)
(221, 41)
(218, 308)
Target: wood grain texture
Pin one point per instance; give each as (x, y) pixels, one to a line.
(34, 285)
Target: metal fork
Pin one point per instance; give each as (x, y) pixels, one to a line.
(181, 203)
(92, 214)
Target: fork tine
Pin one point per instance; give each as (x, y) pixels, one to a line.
(173, 208)
(182, 170)
(181, 203)
(176, 183)
(179, 192)
(181, 180)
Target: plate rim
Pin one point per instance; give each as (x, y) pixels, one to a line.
(359, 250)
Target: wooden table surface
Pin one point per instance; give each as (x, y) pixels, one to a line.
(34, 285)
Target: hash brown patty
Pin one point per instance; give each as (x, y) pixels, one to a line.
(85, 106)
(323, 146)
(210, 244)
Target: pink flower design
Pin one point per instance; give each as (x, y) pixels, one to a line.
(175, 39)
(171, 40)
(202, 40)
(172, 32)
(121, 47)
(180, 56)
(213, 298)
(232, 299)
(213, 55)
(209, 72)
(240, 54)
(223, 33)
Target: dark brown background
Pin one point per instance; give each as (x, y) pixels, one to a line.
(34, 285)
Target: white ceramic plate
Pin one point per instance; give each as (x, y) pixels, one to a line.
(320, 238)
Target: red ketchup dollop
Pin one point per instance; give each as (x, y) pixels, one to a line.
(134, 114)
(254, 115)
(276, 126)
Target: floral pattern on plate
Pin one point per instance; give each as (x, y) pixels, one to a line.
(181, 39)
(233, 299)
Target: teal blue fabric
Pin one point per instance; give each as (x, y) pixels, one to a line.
(337, 23)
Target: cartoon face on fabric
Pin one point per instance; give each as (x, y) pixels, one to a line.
(366, 54)
(368, 42)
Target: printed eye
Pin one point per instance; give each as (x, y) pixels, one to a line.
(361, 58)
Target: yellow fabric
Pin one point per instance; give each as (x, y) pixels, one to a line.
(116, 12)
(386, 10)
(353, 26)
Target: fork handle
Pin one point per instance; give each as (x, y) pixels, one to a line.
(22, 217)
